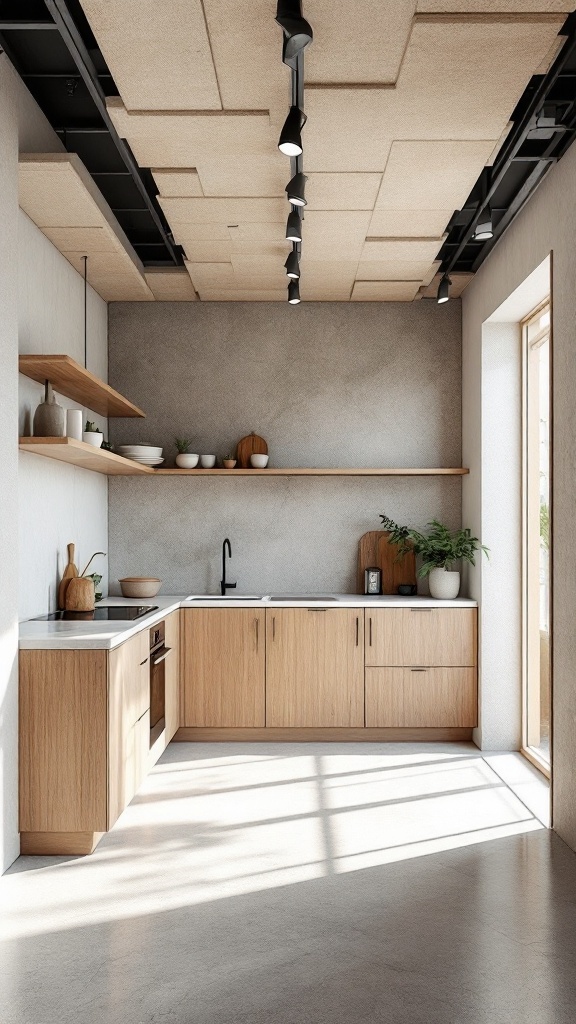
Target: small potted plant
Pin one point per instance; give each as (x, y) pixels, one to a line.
(439, 549)
(92, 434)
(228, 462)
(184, 459)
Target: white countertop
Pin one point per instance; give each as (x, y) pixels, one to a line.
(103, 635)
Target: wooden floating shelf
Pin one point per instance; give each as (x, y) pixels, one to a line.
(305, 471)
(70, 379)
(78, 453)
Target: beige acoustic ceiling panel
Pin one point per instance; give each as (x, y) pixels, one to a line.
(58, 194)
(170, 285)
(159, 53)
(407, 101)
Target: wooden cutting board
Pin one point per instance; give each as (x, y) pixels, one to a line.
(374, 549)
(69, 573)
(253, 444)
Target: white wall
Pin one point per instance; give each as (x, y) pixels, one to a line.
(8, 470)
(58, 503)
(546, 225)
(43, 504)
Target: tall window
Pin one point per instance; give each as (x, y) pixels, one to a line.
(537, 537)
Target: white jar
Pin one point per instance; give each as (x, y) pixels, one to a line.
(74, 423)
(185, 460)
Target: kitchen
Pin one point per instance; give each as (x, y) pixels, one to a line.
(192, 405)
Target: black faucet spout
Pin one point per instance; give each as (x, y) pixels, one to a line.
(224, 586)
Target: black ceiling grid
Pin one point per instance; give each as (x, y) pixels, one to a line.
(54, 51)
(52, 47)
(543, 127)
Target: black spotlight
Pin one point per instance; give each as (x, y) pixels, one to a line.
(297, 31)
(484, 228)
(295, 189)
(290, 141)
(293, 264)
(294, 227)
(294, 293)
(444, 290)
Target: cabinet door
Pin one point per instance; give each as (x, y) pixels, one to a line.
(421, 698)
(172, 675)
(421, 636)
(314, 667)
(128, 699)
(223, 667)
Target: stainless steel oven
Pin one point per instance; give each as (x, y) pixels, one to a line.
(158, 654)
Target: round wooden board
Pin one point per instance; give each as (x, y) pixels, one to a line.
(253, 444)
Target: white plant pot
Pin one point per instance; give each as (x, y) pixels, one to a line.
(93, 437)
(444, 585)
(186, 460)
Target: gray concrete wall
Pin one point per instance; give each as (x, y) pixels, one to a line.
(327, 384)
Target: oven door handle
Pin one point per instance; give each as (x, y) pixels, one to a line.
(161, 656)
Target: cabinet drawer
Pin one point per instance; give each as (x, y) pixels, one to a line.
(416, 637)
(421, 698)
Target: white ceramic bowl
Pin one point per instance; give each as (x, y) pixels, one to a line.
(140, 449)
(207, 461)
(93, 438)
(259, 461)
(187, 460)
(140, 586)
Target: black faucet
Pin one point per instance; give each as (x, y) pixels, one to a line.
(223, 585)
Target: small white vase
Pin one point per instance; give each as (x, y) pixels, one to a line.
(93, 437)
(186, 460)
(444, 585)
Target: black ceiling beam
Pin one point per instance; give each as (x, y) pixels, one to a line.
(538, 93)
(75, 46)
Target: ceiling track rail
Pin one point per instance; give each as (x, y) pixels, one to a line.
(517, 149)
(74, 43)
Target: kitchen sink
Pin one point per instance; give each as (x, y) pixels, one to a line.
(225, 597)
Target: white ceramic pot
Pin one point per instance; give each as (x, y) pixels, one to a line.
(93, 437)
(444, 585)
(186, 460)
(259, 461)
(207, 461)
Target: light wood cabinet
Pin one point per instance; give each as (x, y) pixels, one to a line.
(421, 637)
(314, 667)
(223, 667)
(172, 674)
(128, 700)
(421, 698)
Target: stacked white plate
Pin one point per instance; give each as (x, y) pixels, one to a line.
(147, 454)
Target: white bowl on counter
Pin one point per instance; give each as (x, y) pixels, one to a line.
(140, 586)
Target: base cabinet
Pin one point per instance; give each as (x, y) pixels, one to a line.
(421, 698)
(314, 668)
(416, 637)
(223, 667)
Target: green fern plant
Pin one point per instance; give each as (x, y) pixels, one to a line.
(439, 548)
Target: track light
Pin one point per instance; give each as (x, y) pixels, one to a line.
(295, 189)
(294, 227)
(293, 263)
(297, 31)
(484, 230)
(444, 290)
(290, 141)
(294, 293)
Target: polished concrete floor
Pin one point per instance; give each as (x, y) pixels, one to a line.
(303, 885)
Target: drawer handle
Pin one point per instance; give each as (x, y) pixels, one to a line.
(370, 621)
(357, 629)
(316, 609)
(421, 609)
(418, 669)
(145, 662)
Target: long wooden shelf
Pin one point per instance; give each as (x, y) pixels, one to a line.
(307, 471)
(78, 453)
(70, 379)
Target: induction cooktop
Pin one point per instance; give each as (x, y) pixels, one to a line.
(114, 612)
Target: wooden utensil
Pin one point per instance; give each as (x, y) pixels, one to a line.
(374, 549)
(70, 572)
(253, 444)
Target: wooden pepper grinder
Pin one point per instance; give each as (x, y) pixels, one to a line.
(81, 593)
(70, 572)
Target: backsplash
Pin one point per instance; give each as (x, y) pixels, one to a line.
(327, 384)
